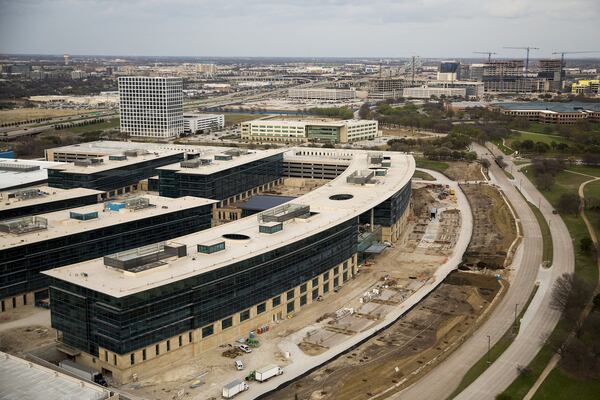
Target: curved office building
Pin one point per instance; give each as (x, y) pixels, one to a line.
(140, 310)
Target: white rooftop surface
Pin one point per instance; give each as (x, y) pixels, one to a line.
(60, 223)
(199, 115)
(220, 165)
(112, 164)
(52, 194)
(110, 147)
(307, 121)
(330, 213)
(24, 380)
(9, 179)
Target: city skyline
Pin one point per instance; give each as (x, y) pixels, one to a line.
(271, 29)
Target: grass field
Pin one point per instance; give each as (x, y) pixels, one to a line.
(113, 123)
(543, 128)
(538, 137)
(236, 118)
(547, 253)
(586, 268)
(429, 164)
(423, 175)
(24, 114)
(559, 386)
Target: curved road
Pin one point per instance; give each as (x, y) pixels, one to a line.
(538, 321)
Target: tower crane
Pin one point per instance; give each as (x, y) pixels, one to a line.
(489, 53)
(528, 48)
(562, 61)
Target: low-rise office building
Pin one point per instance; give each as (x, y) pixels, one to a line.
(472, 89)
(426, 92)
(310, 130)
(552, 113)
(227, 176)
(322, 94)
(586, 86)
(30, 245)
(114, 174)
(194, 123)
(126, 314)
(43, 199)
(16, 173)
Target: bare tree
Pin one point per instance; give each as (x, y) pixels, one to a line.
(569, 295)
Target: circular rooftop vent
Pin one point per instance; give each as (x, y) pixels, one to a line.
(341, 196)
(235, 236)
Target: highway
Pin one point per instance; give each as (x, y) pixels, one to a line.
(537, 322)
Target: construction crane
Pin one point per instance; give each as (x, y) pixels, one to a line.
(562, 61)
(528, 48)
(489, 53)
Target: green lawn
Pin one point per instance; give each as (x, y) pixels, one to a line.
(586, 268)
(502, 147)
(423, 175)
(236, 118)
(559, 386)
(538, 137)
(113, 123)
(434, 165)
(541, 128)
(547, 254)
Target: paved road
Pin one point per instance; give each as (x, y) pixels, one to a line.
(538, 320)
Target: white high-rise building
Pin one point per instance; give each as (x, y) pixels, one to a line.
(151, 106)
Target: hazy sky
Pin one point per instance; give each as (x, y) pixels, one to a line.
(309, 28)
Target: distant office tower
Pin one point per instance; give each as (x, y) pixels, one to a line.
(476, 72)
(507, 76)
(67, 59)
(151, 106)
(551, 69)
(387, 88)
(449, 71)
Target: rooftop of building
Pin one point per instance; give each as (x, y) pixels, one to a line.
(264, 202)
(16, 173)
(553, 107)
(108, 147)
(11, 199)
(27, 230)
(201, 115)
(220, 160)
(105, 163)
(297, 121)
(337, 201)
(22, 379)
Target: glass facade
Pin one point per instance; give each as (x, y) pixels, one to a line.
(110, 179)
(391, 210)
(223, 184)
(20, 266)
(89, 319)
(47, 207)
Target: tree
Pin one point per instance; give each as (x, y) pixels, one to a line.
(365, 111)
(570, 295)
(485, 163)
(585, 244)
(544, 181)
(500, 162)
(568, 203)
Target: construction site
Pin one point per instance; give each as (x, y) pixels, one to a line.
(385, 362)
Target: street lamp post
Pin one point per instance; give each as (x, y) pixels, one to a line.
(489, 346)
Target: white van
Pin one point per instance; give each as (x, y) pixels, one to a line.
(239, 365)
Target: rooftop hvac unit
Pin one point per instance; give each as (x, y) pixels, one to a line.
(360, 177)
(24, 225)
(223, 157)
(145, 257)
(26, 194)
(17, 167)
(194, 163)
(117, 157)
(136, 203)
(284, 213)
